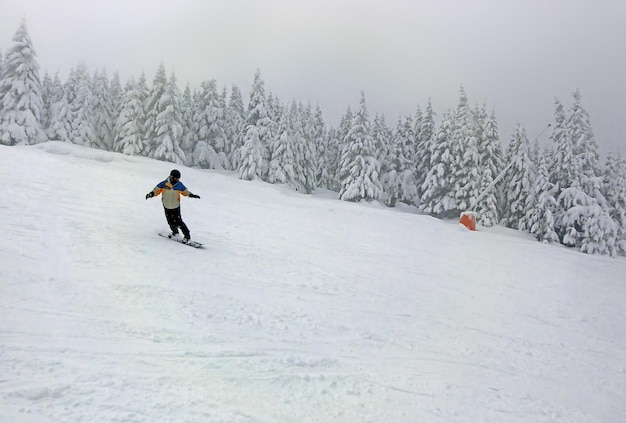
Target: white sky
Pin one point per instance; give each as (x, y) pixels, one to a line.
(515, 56)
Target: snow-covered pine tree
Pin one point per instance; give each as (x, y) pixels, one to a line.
(152, 108)
(584, 224)
(540, 217)
(319, 142)
(60, 126)
(345, 125)
(129, 124)
(563, 166)
(274, 110)
(425, 137)
(535, 153)
(438, 198)
(81, 106)
(391, 161)
(490, 151)
(280, 147)
(615, 194)
(282, 163)
(359, 169)
(209, 129)
(305, 164)
(188, 111)
(405, 139)
(582, 219)
(329, 178)
(115, 93)
(255, 152)
(224, 144)
(164, 123)
(292, 156)
(103, 112)
(585, 148)
(465, 149)
(518, 181)
(381, 136)
(144, 93)
(234, 126)
(47, 93)
(21, 105)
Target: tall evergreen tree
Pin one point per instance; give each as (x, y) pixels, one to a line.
(164, 119)
(255, 151)
(224, 143)
(332, 151)
(47, 94)
(318, 139)
(438, 198)
(60, 127)
(490, 151)
(585, 149)
(188, 111)
(615, 194)
(115, 93)
(129, 124)
(342, 135)
(465, 149)
(234, 126)
(404, 138)
(103, 112)
(21, 105)
(153, 108)
(540, 218)
(391, 161)
(582, 218)
(425, 136)
(282, 164)
(81, 101)
(274, 109)
(209, 127)
(564, 172)
(304, 136)
(292, 155)
(360, 171)
(518, 181)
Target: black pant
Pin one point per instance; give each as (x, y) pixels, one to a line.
(176, 221)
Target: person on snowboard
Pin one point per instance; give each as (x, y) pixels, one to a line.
(172, 188)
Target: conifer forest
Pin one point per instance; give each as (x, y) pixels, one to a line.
(442, 163)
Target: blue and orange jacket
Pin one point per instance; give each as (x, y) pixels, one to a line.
(171, 193)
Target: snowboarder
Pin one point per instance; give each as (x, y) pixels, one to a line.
(172, 188)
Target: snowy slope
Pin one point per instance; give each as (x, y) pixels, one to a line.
(299, 309)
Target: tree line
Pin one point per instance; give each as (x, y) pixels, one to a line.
(442, 166)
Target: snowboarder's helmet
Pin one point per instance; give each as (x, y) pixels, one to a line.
(175, 174)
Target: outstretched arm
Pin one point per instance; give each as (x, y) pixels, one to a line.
(155, 191)
(189, 194)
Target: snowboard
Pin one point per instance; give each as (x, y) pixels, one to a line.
(190, 243)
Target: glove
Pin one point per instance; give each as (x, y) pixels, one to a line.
(194, 196)
(149, 195)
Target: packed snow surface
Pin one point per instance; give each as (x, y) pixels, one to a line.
(299, 308)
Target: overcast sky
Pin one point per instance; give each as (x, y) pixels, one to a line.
(515, 56)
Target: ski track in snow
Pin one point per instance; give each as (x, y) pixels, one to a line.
(299, 309)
